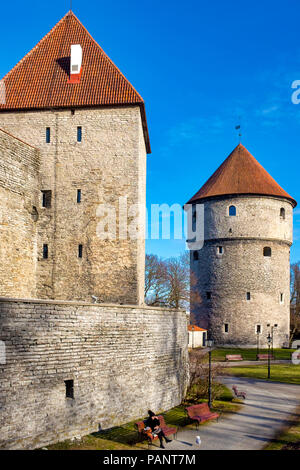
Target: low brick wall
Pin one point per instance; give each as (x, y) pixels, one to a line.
(123, 360)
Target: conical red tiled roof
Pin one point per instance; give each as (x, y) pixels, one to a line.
(40, 79)
(240, 173)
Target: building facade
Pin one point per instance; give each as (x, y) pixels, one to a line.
(243, 270)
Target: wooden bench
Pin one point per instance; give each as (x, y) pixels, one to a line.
(140, 425)
(238, 393)
(201, 413)
(263, 357)
(233, 357)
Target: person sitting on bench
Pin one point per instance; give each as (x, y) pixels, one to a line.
(153, 423)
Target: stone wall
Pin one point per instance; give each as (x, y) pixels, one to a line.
(109, 163)
(123, 360)
(224, 279)
(19, 180)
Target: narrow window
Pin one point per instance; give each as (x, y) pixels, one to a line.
(226, 327)
(258, 329)
(281, 298)
(248, 296)
(282, 213)
(79, 134)
(78, 196)
(46, 198)
(69, 388)
(208, 295)
(220, 250)
(267, 251)
(232, 210)
(196, 255)
(45, 251)
(79, 251)
(47, 135)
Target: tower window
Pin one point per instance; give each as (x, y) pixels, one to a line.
(248, 296)
(282, 213)
(208, 295)
(267, 251)
(220, 250)
(79, 251)
(232, 210)
(79, 134)
(69, 384)
(281, 298)
(258, 329)
(47, 135)
(45, 251)
(46, 198)
(226, 327)
(196, 255)
(78, 196)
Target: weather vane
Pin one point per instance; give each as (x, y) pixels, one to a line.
(238, 128)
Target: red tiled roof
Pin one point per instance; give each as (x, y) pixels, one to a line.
(195, 328)
(240, 173)
(40, 79)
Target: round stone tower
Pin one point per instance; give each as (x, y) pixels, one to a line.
(242, 274)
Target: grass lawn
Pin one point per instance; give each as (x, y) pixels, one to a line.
(250, 354)
(125, 437)
(288, 373)
(288, 438)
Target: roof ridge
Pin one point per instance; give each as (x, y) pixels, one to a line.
(37, 45)
(105, 55)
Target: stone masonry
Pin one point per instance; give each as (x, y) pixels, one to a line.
(123, 360)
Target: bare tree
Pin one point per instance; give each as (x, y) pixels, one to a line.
(295, 301)
(156, 290)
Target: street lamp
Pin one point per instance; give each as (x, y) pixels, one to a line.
(272, 328)
(209, 343)
(269, 338)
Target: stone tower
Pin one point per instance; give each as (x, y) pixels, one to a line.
(87, 123)
(242, 273)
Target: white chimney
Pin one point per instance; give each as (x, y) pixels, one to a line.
(76, 59)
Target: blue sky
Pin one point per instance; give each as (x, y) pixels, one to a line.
(199, 66)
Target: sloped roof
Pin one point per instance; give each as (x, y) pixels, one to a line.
(195, 328)
(40, 79)
(239, 174)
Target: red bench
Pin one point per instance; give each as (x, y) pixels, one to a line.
(233, 357)
(238, 393)
(201, 413)
(140, 425)
(263, 357)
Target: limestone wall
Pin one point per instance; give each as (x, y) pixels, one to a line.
(109, 163)
(123, 360)
(19, 175)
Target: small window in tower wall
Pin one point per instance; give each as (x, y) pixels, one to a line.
(281, 298)
(208, 295)
(220, 250)
(79, 251)
(45, 251)
(282, 213)
(196, 255)
(258, 329)
(69, 384)
(46, 198)
(78, 196)
(267, 251)
(226, 327)
(232, 211)
(248, 296)
(47, 135)
(79, 134)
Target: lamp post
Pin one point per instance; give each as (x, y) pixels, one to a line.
(269, 338)
(257, 343)
(209, 343)
(272, 328)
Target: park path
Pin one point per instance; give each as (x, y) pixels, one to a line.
(267, 408)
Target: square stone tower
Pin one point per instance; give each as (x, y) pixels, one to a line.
(67, 99)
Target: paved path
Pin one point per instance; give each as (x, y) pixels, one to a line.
(266, 409)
